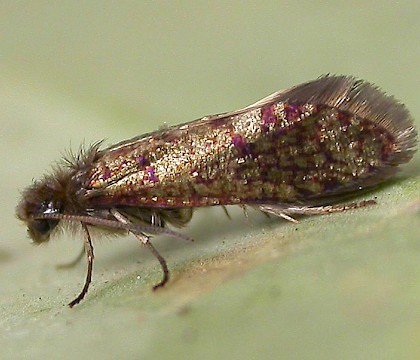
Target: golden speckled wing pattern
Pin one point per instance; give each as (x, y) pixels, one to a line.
(321, 138)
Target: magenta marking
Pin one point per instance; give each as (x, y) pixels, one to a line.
(151, 173)
(292, 111)
(143, 161)
(106, 175)
(241, 144)
(267, 114)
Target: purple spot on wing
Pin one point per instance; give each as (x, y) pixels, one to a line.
(143, 161)
(268, 117)
(151, 173)
(292, 111)
(106, 175)
(343, 116)
(267, 114)
(240, 143)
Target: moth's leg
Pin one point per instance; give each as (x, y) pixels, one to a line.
(145, 240)
(277, 211)
(285, 211)
(89, 256)
(156, 220)
(226, 212)
(73, 262)
(245, 210)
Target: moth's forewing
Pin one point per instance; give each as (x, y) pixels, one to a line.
(325, 137)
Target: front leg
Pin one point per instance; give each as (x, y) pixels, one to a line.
(89, 256)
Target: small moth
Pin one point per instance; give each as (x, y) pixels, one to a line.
(294, 152)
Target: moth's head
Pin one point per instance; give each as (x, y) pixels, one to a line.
(55, 196)
(40, 200)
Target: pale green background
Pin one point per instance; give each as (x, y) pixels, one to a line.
(344, 286)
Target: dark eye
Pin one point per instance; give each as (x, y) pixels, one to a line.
(40, 230)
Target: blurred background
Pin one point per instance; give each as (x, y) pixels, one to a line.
(343, 286)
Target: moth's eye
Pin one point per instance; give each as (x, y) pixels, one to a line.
(40, 230)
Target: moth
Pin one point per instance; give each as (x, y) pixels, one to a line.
(294, 152)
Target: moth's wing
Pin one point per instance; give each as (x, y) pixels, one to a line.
(346, 93)
(187, 126)
(328, 90)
